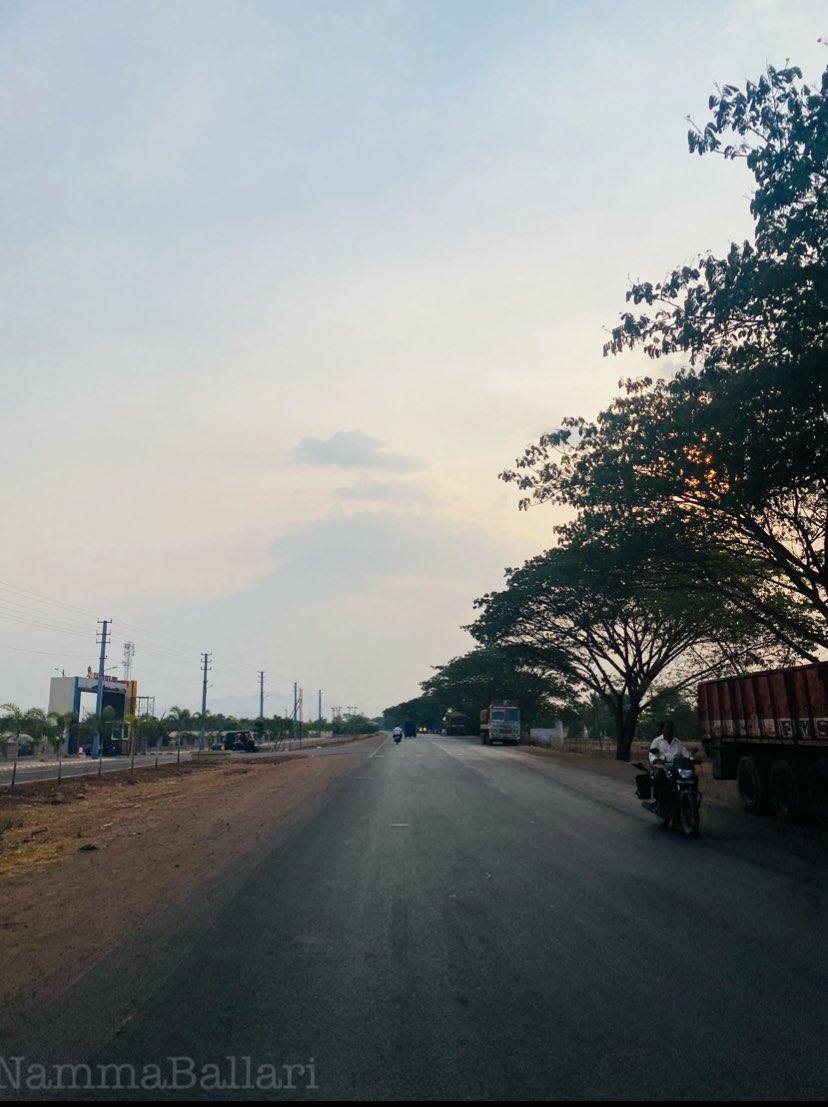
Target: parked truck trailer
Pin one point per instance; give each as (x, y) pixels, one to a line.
(769, 732)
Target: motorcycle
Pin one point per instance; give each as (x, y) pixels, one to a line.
(678, 800)
(397, 737)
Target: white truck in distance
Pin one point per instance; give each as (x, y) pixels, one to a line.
(500, 722)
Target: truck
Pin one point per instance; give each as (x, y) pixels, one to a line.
(769, 732)
(500, 722)
(454, 722)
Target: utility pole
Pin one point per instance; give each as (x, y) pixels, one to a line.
(319, 716)
(295, 709)
(261, 694)
(96, 741)
(205, 661)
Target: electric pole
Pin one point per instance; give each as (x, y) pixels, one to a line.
(261, 694)
(205, 661)
(96, 741)
(295, 709)
(319, 716)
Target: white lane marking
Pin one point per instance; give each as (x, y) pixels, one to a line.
(399, 824)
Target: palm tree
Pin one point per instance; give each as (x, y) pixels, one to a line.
(35, 726)
(60, 726)
(7, 722)
(100, 725)
(13, 723)
(181, 720)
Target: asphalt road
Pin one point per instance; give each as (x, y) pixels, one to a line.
(449, 922)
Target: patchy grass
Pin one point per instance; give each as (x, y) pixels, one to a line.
(43, 822)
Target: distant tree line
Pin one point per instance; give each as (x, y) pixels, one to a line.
(34, 730)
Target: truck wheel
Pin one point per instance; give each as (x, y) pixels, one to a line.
(750, 786)
(818, 790)
(785, 792)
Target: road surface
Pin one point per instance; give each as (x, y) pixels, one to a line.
(459, 922)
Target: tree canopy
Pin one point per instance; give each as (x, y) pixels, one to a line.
(769, 297)
(601, 619)
(725, 462)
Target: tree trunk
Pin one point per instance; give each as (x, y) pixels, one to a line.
(626, 724)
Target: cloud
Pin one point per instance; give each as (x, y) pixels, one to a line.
(390, 492)
(353, 450)
(350, 554)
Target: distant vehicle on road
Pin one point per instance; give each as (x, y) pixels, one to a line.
(410, 728)
(108, 749)
(454, 722)
(242, 741)
(500, 722)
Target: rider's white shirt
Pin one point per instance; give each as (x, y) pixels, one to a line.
(661, 748)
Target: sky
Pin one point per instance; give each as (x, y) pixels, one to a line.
(286, 284)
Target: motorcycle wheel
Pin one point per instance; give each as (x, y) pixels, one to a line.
(689, 814)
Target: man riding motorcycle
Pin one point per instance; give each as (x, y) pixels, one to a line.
(664, 749)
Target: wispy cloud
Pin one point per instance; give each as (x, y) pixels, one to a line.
(349, 554)
(389, 492)
(353, 450)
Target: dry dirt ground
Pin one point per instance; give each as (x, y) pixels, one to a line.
(85, 862)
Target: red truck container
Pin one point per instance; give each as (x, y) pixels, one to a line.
(769, 731)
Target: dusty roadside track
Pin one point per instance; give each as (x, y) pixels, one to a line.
(87, 862)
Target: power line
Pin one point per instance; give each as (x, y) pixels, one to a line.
(47, 599)
(19, 608)
(39, 611)
(44, 625)
(49, 653)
